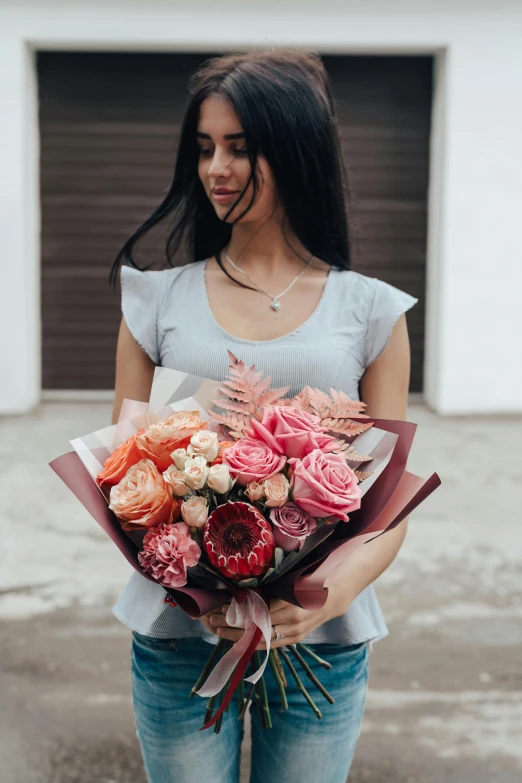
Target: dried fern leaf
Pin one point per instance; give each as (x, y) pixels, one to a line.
(343, 402)
(232, 423)
(335, 412)
(272, 396)
(234, 394)
(319, 400)
(349, 452)
(361, 475)
(301, 400)
(345, 427)
(236, 407)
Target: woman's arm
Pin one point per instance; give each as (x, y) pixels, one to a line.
(134, 371)
(384, 388)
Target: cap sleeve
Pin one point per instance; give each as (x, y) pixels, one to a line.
(388, 304)
(140, 293)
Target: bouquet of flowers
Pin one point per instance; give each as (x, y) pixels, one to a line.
(236, 494)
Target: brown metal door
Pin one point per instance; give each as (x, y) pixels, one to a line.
(109, 125)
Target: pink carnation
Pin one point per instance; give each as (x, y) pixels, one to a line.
(252, 460)
(325, 486)
(168, 551)
(290, 431)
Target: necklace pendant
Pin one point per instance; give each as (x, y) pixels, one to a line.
(275, 305)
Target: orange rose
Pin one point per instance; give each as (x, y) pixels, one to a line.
(142, 499)
(161, 439)
(116, 466)
(225, 444)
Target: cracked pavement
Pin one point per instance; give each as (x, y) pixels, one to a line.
(445, 695)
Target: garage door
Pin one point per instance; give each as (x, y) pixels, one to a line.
(109, 124)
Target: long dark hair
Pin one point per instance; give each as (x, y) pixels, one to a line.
(285, 107)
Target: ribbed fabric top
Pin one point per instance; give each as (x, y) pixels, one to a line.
(169, 315)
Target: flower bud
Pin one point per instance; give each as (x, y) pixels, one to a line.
(179, 458)
(196, 472)
(194, 511)
(204, 444)
(255, 491)
(176, 480)
(219, 479)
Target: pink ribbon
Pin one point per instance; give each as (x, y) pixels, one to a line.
(250, 614)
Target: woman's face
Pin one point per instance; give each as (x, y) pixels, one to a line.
(224, 165)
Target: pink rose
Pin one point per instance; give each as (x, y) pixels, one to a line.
(168, 551)
(291, 526)
(324, 485)
(290, 431)
(252, 460)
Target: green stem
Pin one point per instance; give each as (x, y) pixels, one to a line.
(311, 676)
(225, 689)
(217, 725)
(299, 684)
(240, 696)
(264, 694)
(259, 705)
(246, 703)
(210, 708)
(314, 655)
(209, 665)
(279, 665)
(279, 681)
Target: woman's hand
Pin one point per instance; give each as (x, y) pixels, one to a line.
(292, 621)
(205, 619)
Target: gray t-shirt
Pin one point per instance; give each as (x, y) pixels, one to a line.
(169, 315)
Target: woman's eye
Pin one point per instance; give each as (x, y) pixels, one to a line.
(204, 152)
(241, 151)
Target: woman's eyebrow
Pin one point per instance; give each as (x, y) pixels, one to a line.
(227, 136)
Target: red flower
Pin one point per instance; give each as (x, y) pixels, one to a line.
(238, 540)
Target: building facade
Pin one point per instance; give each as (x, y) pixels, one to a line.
(430, 117)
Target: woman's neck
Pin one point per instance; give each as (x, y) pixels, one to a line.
(266, 251)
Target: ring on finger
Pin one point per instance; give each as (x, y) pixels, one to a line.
(277, 636)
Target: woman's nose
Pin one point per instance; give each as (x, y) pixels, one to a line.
(219, 165)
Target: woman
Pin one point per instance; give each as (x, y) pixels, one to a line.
(257, 201)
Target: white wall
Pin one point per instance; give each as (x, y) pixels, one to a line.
(475, 241)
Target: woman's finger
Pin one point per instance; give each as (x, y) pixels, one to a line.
(288, 615)
(233, 634)
(218, 620)
(289, 637)
(276, 604)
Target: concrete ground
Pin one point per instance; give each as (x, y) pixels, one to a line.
(445, 696)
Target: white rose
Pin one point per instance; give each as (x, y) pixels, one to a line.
(194, 511)
(179, 458)
(176, 480)
(196, 472)
(205, 444)
(255, 491)
(276, 490)
(219, 479)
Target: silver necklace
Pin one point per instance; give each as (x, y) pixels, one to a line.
(275, 304)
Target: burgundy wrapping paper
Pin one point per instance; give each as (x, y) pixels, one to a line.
(393, 496)
(195, 601)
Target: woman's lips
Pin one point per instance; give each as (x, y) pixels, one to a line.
(222, 195)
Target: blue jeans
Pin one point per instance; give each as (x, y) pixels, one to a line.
(299, 747)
